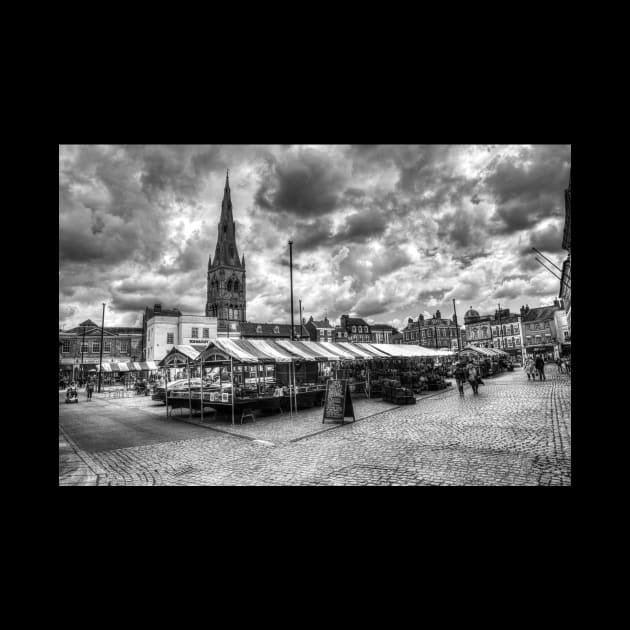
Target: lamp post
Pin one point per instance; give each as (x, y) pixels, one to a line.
(100, 361)
(291, 280)
(459, 344)
(300, 335)
(82, 346)
(501, 341)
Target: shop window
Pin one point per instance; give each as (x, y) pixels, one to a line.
(107, 346)
(96, 346)
(66, 345)
(170, 338)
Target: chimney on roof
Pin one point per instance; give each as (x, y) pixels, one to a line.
(344, 321)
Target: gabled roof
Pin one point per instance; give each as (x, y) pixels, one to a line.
(540, 313)
(320, 323)
(356, 321)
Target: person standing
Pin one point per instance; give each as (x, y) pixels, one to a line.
(460, 377)
(540, 367)
(473, 375)
(89, 388)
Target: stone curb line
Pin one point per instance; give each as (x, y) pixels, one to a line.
(91, 465)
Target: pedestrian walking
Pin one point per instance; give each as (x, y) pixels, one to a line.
(529, 368)
(89, 388)
(473, 375)
(460, 377)
(540, 368)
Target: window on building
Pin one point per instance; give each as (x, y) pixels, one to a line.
(528, 340)
(517, 341)
(538, 339)
(107, 346)
(259, 329)
(354, 329)
(276, 329)
(537, 326)
(566, 335)
(85, 347)
(124, 346)
(96, 346)
(206, 333)
(170, 338)
(66, 345)
(194, 333)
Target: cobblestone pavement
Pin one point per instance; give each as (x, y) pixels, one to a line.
(515, 432)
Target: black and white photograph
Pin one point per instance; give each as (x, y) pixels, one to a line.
(315, 315)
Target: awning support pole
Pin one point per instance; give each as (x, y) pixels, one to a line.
(166, 390)
(189, 391)
(232, 381)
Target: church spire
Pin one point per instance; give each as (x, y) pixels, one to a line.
(226, 205)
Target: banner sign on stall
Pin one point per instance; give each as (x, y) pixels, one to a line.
(337, 401)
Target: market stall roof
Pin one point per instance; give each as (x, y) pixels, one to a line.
(234, 348)
(309, 350)
(336, 348)
(271, 349)
(128, 366)
(180, 352)
(484, 351)
(373, 349)
(357, 351)
(401, 350)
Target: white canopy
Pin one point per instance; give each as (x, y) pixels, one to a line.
(232, 349)
(269, 349)
(405, 350)
(336, 348)
(356, 348)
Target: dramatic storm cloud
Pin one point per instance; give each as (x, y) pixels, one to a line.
(385, 232)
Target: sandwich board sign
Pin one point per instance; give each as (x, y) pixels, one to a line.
(337, 401)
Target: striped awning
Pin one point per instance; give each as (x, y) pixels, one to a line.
(335, 348)
(356, 350)
(232, 348)
(373, 348)
(271, 349)
(307, 350)
(401, 350)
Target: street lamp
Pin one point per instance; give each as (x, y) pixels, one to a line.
(291, 279)
(100, 361)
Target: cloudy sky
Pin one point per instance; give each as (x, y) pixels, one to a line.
(380, 231)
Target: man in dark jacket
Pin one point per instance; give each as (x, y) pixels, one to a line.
(460, 377)
(540, 367)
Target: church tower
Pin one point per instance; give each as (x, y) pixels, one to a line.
(226, 273)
